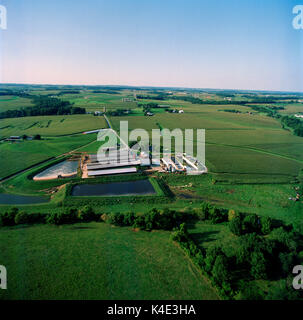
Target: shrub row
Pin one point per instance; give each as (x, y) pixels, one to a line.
(68, 215)
(14, 217)
(72, 215)
(155, 219)
(166, 219)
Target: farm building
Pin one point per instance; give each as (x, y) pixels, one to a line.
(112, 171)
(14, 139)
(120, 162)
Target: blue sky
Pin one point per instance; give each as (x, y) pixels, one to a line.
(236, 44)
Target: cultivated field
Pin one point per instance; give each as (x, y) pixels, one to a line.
(50, 125)
(13, 102)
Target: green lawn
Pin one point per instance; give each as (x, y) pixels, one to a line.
(96, 261)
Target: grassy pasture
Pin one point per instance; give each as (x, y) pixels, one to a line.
(207, 234)
(50, 125)
(96, 261)
(291, 108)
(13, 102)
(260, 197)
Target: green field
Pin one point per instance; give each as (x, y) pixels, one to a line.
(97, 101)
(13, 102)
(21, 155)
(97, 261)
(251, 144)
(50, 125)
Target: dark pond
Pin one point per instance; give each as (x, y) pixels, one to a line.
(17, 199)
(139, 187)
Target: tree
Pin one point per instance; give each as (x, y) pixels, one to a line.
(65, 217)
(220, 270)
(235, 226)
(205, 209)
(258, 265)
(282, 291)
(37, 137)
(251, 223)
(129, 218)
(266, 225)
(288, 241)
(211, 255)
(8, 218)
(21, 217)
(217, 215)
(232, 214)
(86, 214)
(287, 261)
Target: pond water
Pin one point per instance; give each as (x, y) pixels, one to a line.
(126, 188)
(17, 199)
(64, 169)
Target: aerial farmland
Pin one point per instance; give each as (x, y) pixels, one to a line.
(253, 166)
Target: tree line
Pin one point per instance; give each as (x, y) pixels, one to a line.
(44, 105)
(295, 124)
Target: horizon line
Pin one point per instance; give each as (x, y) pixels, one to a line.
(148, 86)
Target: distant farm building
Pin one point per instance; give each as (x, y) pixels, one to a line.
(14, 139)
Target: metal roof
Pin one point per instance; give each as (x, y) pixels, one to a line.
(111, 171)
(112, 165)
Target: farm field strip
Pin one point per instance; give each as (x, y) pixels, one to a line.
(50, 125)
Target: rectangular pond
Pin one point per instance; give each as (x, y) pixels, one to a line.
(125, 188)
(17, 199)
